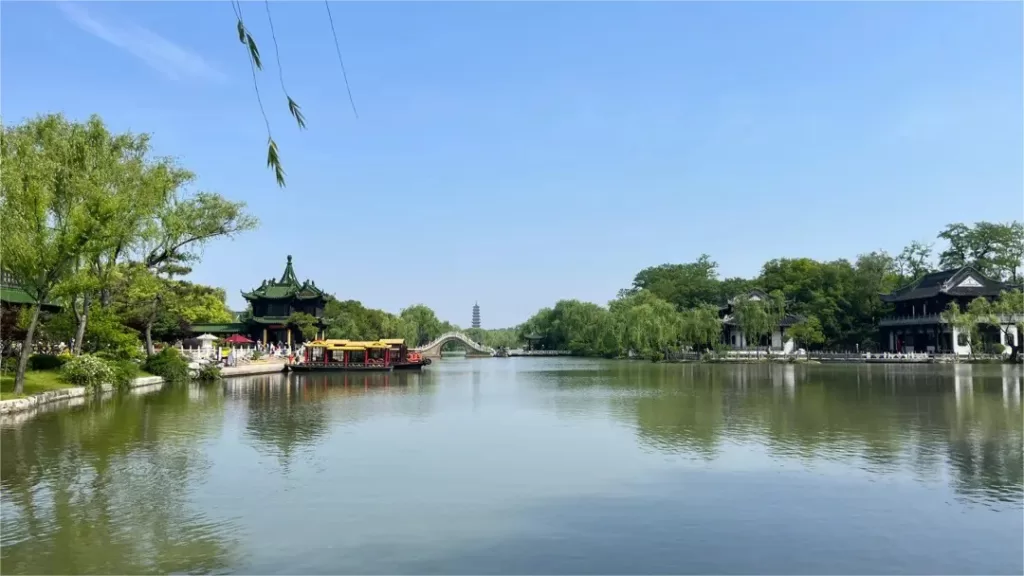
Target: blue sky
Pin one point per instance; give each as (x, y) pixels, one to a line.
(521, 153)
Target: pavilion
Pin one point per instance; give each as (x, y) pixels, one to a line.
(271, 303)
(916, 324)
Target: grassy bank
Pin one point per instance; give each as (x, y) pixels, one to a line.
(39, 381)
(36, 382)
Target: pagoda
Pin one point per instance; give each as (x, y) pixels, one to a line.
(272, 302)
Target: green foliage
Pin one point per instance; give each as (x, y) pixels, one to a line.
(964, 321)
(914, 261)
(56, 183)
(422, 324)
(123, 372)
(88, 370)
(807, 333)
(168, 363)
(209, 373)
(256, 64)
(106, 332)
(350, 319)
(46, 361)
(687, 285)
(994, 249)
(701, 326)
(306, 323)
(993, 348)
(8, 365)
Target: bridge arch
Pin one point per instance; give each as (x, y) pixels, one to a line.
(433, 349)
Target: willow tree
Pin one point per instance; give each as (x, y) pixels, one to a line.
(701, 326)
(55, 205)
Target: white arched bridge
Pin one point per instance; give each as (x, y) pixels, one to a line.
(433, 349)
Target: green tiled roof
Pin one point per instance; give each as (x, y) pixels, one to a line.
(286, 288)
(270, 319)
(232, 328)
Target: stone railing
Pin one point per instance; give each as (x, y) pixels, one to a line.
(937, 319)
(477, 347)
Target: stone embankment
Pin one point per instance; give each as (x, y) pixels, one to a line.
(36, 400)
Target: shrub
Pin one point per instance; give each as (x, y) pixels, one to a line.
(46, 361)
(168, 363)
(87, 370)
(994, 348)
(9, 365)
(124, 373)
(209, 373)
(256, 354)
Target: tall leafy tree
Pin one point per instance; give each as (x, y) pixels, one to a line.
(995, 249)
(423, 323)
(685, 285)
(701, 326)
(54, 208)
(807, 332)
(914, 261)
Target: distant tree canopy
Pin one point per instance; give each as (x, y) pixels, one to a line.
(677, 304)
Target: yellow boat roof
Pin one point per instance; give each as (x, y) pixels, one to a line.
(325, 343)
(393, 340)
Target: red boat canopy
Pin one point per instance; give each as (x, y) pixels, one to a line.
(237, 339)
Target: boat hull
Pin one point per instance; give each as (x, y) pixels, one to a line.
(337, 368)
(412, 365)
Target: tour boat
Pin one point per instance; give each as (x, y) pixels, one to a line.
(345, 355)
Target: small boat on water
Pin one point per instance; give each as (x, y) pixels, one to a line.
(377, 356)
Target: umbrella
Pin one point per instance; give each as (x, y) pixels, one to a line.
(237, 339)
(207, 337)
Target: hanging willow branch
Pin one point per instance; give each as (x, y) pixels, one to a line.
(293, 107)
(273, 157)
(337, 49)
(256, 63)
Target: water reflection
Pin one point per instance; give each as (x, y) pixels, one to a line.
(528, 465)
(884, 419)
(105, 489)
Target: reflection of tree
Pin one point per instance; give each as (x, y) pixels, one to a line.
(284, 417)
(105, 489)
(287, 415)
(986, 448)
(879, 417)
(687, 415)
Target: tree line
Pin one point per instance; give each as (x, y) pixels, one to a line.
(674, 305)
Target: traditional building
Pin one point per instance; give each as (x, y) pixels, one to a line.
(272, 303)
(476, 315)
(733, 336)
(916, 324)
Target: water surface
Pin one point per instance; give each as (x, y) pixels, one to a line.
(529, 465)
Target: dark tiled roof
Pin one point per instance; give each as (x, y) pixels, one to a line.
(965, 281)
(287, 287)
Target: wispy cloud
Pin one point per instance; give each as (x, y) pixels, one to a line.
(172, 60)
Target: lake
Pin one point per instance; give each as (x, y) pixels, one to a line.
(530, 466)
